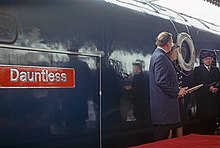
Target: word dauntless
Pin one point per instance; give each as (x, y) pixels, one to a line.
(36, 76)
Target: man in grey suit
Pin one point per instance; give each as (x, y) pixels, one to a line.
(164, 88)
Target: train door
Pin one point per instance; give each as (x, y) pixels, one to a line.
(49, 97)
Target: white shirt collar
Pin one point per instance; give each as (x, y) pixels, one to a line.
(162, 49)
(207, 67)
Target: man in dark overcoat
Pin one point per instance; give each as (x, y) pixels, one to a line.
(208, 96)
(164, 88)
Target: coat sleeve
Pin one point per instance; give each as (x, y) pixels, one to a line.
(164, 78)
(198, 79)
(217, 79)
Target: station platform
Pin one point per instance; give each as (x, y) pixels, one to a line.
(188, 141)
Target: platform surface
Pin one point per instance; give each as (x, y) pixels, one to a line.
(188, 141)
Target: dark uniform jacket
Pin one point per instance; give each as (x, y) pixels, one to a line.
(163, 89)
(207, 102)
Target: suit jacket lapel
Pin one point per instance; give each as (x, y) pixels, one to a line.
(205, 69)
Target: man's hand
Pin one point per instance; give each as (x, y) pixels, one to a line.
(182, 92)
(213, 89)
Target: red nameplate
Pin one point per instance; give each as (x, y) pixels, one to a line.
(12, 76)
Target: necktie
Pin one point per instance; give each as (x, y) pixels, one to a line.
(209, 68)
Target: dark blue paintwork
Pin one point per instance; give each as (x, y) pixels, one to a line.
(57, 117)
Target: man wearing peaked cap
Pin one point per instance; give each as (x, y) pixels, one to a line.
(207, 96)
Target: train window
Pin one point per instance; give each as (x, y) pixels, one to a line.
(198, 23)
(214, 27)
(8, 29)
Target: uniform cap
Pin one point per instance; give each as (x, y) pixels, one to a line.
(206, 54)
(175, 46)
